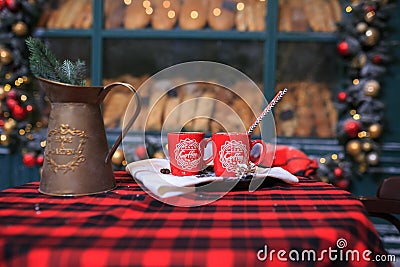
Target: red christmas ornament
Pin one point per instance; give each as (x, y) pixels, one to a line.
(18, 112)
(12, 94)
(40, 160)
(343, 48)
(377, 59)
(29, 159)
(342, 96)
(1, 123)
(2, 4)
(11, 103)
(369, 8)
(351, 127)
(342, 183)
(12, 5)
(141, 152)
(338, 172)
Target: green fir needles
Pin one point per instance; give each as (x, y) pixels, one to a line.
(44, 64)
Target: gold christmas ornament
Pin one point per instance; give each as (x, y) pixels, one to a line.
(372, 36)
(367, 146)
(359, 61)
(5, 56)
(159, 155)
(20, 28)
(362, 167)
(372, 158)
(4, 140)
(371, 88)
(353, 147)
(370, 16)
(375, 130)
(118, 157)
(361, 27)
(360, 158)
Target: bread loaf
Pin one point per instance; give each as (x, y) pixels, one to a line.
(136, 16)
(193, 14)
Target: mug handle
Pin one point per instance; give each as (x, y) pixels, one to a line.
(263, 149)
(209, 159)
(124, 131)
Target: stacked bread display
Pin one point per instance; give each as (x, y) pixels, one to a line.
(242, 15)
(306, 110)
(198, 106)
(309, 15)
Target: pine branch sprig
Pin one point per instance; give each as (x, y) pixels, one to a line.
(43, 63)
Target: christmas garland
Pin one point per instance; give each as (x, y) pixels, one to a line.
(20, 117)
(363, 46)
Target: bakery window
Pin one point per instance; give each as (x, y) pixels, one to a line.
(278, 44)
(143, 58)
(310, 71)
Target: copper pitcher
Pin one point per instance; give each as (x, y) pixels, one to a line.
(77, 160)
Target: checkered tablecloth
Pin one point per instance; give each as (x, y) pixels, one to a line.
(127, 227)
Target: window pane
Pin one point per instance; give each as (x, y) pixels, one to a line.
(310, 71)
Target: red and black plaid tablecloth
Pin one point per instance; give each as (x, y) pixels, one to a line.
(127, 227)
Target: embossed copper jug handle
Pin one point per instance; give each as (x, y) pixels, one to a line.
(101, 97)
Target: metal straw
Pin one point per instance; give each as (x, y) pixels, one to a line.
(269, 107)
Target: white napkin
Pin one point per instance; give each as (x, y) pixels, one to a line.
(167, 185)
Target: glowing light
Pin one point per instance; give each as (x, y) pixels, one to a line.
(17, 83)
(349, 9)
(29, 108)
(194, 14)
(21, 131)
(353, 112)
(356, 117)
(356, 81)
(43, 143)
(166, 4)
(362, 134)
(3, 137)
(7, 87)
(128, 2)
(217, 11)
(334, 156)
(171, 14)
(124, 163)
(149, 11)
(240, 6)
(24, 98)
(146, 4)
(20, 80)
(322, 160)
(7, 76)
(368, 33)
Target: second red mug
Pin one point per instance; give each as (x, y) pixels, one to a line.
(231, 149)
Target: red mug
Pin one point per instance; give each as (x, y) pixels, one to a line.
(231, 149)
(186, 153)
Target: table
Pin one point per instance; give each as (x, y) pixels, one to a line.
(127, 227)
